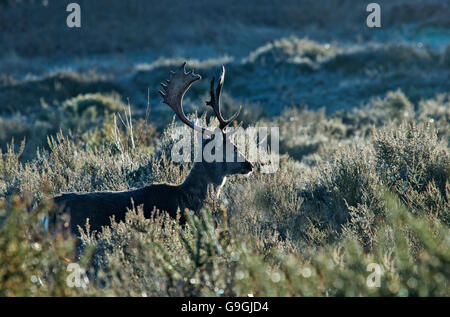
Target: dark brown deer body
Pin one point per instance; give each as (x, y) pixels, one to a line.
(99, 207)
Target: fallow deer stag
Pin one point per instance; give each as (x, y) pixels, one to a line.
(100, 206)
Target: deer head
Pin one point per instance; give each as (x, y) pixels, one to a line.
(232, 161)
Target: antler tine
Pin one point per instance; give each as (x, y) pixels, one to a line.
(178, 84)
(215, 102)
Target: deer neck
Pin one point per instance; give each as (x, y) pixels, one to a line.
(195, 187)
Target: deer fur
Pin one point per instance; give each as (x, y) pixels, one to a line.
(99, 207)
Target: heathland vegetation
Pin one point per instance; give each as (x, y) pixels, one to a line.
(361, 195)
(353, 188)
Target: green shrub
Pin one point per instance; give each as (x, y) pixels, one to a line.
(143, 258)
(34, 262)
(413, 162)
(349, 193)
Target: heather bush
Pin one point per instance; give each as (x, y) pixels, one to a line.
(395, 106)
(415, 164)
(349, 193)
(207, 258)
(293, 49)
(437, 112)
(357, 206)
(310, 135)
(34, 262)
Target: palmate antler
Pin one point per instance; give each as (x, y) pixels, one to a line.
(215, 102)
(178, 85)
